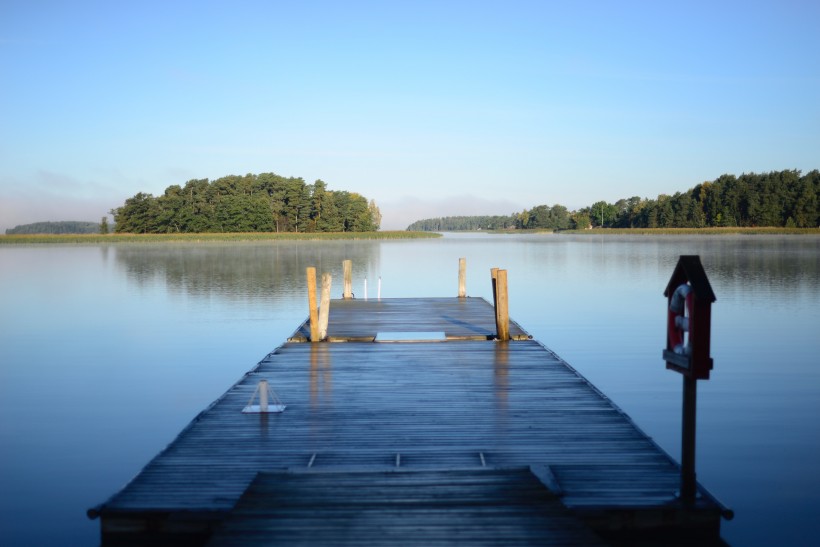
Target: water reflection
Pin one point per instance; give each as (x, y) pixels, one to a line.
(501, 379)
(251, 270)
(781, 260)
(321, 376)
(241, 271)
(596, 301)
(264, 425)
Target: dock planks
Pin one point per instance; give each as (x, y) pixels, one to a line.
(478, 507)
(426, 407)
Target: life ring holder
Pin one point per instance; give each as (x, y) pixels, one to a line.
(679, 320)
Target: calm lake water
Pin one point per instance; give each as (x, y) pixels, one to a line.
(107, 352)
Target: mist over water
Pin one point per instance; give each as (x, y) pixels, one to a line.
(107, 352)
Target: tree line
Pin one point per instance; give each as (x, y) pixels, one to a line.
(779, 199)
(59, 227)
(252, 203)
(556, 217)
(463, 223)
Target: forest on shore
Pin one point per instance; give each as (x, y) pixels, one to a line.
(60, 227)
(778, 199)
(265, 202)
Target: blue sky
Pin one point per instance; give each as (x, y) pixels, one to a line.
(430, 108)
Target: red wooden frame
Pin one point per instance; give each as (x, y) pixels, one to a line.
(698, 363)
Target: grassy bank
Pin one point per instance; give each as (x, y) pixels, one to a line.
(32, 239)
(696, 231)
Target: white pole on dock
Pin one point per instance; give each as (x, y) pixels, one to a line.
(263, 395)
(365, 288)
(314, 320)
(347, 267)
(268, 400)
(324, 305)
(462, 277)
(379, 295)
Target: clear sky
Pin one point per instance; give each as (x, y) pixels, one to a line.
(430, 108)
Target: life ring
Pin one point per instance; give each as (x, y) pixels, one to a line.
(679, 319)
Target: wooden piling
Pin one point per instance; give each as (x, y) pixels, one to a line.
(324, 305)
(347, 267)
(493, 279)
(462, 277)
(314, 319)
(502, 307)
(494, 282)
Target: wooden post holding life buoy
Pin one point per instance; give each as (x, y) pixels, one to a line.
(688, 327)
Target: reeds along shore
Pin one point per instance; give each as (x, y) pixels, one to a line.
(682, 231)
(207, 237)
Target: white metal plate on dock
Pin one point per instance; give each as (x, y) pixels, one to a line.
(411, 336)
(256, 409)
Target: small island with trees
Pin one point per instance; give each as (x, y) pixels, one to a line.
(252, 203)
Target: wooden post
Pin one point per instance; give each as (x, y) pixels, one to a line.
(494, 280)
(688, 481)
(314, 320)
(462, 277)
(689, 296)
(503, 310)
(347, 266)
(324, 306)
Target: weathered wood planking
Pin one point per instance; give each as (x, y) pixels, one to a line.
(481, 507)
(458, 318)
(422, 406)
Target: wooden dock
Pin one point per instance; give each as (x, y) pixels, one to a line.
(387, 439)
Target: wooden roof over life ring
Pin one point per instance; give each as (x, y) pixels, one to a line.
(689, 268)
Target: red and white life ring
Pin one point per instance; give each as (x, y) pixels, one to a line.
(679, 320)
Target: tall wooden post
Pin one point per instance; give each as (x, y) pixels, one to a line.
(462, 277)
(688, 480)
(494, 281)
(502, 307)
(314, 320)
(347, 267)
(324, 305)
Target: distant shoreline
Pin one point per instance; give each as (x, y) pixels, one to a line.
(208, 237)
(671, 231)
(699, 231)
